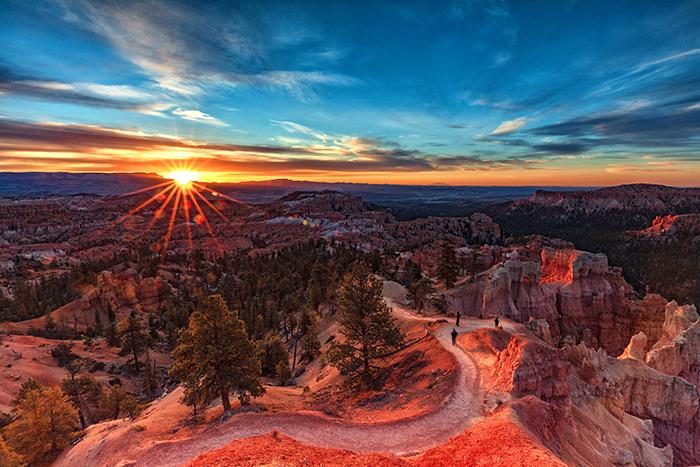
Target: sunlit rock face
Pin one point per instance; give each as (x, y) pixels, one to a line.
(579, 296)
(671, 228)
(677, 353)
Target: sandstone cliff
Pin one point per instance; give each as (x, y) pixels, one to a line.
(576, 292)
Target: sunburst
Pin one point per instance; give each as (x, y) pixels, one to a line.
(181, 192)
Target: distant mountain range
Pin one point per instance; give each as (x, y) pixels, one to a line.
(105, 184)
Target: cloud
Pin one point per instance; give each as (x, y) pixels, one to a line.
(509, 126)
(198, 116)
(119, 97)
(292, 127)
(501, 58)
(187, 49)
(28, 146)
(658, 125)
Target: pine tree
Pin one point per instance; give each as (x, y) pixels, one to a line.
(46, 423)
(364, 319)
(283, 373)
(273, 352)
(310, 346)
(118, 402)
(412, 273)
(8, 457)
(217, 353)
(49, 324)
(150, 383)
(87, 394)
(134, 339)
(419, 293)
(28, 386)
(112, 335)
(447, 265)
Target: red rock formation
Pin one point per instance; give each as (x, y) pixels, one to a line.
(678, 351)
(670, 228)
(526, 367)
(574, 291)
(635, 197)
(121, 293)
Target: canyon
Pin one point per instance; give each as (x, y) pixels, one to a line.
(584, 368)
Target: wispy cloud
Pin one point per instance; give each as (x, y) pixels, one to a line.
(188, 50)
(293, 127)
(198, 116)
(509, 126)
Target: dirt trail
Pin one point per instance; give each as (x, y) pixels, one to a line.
(401, 437)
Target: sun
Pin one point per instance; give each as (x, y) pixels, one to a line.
(183, 177)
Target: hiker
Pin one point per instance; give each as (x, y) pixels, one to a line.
(458, 316)
(454, 336)
(496, 321)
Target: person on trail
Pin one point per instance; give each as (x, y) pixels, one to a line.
(458, 316)
(496, 321)
(454, 336)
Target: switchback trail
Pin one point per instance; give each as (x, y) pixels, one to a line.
(409, 436)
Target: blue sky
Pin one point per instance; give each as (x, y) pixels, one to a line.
(453, 91)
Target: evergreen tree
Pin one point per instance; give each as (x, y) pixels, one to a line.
(118, 402)
(273, 352)
(46, 422)
(419, 293)
(134, 339)
(310, 346)
(283, 373)
(49, 324)
(364, 319)
(150, 378)
(447, 265)
(216, 352)
(112, 335)
(28, 386)
(412, 273)
(87, 394)
(8, 457)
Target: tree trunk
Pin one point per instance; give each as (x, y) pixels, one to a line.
(136, 354)
(225, 401)
(83, 423)
(294, 358)
(365, 362)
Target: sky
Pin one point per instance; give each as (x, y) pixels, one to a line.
(459, 92)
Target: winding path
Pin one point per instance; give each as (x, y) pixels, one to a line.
(400, 437)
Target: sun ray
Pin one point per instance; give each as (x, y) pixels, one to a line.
(181, 189)
(171, 223)
(214, 208)
(145, 203)
(159, 212)
(218, 193)
(205, 221)
(148, 188)
(186, 208)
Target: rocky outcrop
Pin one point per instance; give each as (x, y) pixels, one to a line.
(122, 292)
(526, 367)
(629, 198)
(677, 353)
(635, 349)
(574, 291)
(569, 265)
(540, 328)
(670, 229)
(571, 400)
(631, 387)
